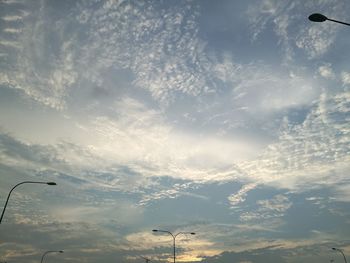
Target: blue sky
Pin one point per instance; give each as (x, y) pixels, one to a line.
(225, 118)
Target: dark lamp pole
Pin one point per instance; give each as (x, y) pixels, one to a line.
(25, 182)
(341, 251)
(174, 238)
(146, 259)
(316, 17)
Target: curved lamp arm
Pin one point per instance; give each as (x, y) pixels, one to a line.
(174, 238)
(25, 182)
(50, 251)
(146, 259)
(341, 251)
(316, 17)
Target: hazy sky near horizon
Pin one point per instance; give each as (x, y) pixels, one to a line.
(225, 118)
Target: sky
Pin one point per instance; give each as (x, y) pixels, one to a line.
(225, 118)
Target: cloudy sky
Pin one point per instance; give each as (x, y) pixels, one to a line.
(225, 118)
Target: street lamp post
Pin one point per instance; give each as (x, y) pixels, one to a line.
(50, 251)
(174, 238)
(146, 259)
(341, 251)
(25, 182)
(321, 18)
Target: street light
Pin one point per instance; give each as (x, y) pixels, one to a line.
(25, 182)
(341, 251)
(321, 18)
(50, 251)
(174, 237)
(146, 259)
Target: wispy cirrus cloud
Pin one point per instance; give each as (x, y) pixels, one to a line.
(345, 76)
(268, 209)
(166, 55)
(270, 87)
(326, 71)
(301, 150)
(240, 196)
(286, 20)
(29, 69)
(150, 150)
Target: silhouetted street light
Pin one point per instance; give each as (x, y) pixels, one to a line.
(50, 251)
(341, 251)
(25, 182)
(321, 18)
(146, 259)
(174, 237)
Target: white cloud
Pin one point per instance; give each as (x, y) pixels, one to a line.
(159, 45)
(345, 76)
(316, 40)
(259, 89)
(166, 55)
(240, 196)
(341, 192)
(124, 151)
(167, 58)
(286, 17)
(10, 44)
(326, 71)
(11, 251)
(315, 149)
(12, 18)
(37, 68)
(152, 147)
(278, 203)
(121, 213)
(268, 209)
(141, 140)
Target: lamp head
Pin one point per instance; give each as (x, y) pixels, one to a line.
(51, 183)
(317, 18)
